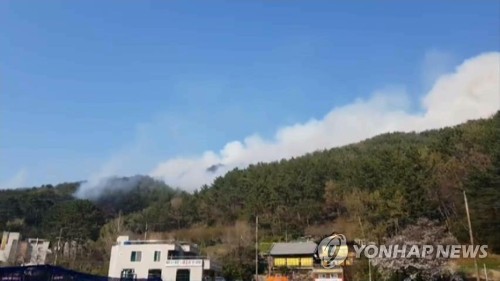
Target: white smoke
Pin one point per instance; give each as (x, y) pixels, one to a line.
(95, 187)
(105, 178)
(472, 91)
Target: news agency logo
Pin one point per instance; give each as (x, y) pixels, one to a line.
(408, 251)
(332, 250)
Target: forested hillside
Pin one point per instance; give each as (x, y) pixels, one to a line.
(44, 210)
(381, 184)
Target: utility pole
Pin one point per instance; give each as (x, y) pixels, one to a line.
(36, 252)
(364, 238)
(119, 222)
(485, 272)
(58, 245)
(256, 248)
(240, 253)
(470, 234)
(146, 232)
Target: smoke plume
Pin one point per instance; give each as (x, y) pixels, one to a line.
(471, 91)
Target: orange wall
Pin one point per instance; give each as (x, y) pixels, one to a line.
(277, 278)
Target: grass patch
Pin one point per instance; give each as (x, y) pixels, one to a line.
(492, 262)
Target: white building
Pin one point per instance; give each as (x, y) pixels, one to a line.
(8, 246)
(328, 274)
(38, 250)
(172, 261)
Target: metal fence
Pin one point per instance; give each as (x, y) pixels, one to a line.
(52, 273)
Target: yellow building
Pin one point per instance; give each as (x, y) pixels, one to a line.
(287, 260)
(292, 255)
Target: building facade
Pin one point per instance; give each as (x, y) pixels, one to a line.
(296, 261)
(16, 251)
(9, 242)
(168, 260)
(38, 249)
(293, 255)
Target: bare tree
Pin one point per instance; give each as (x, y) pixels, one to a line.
(429, 267)
(176, 204)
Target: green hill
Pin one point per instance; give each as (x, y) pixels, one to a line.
(384, 183)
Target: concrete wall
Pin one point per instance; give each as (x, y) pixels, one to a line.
(38, 250)
(8, 246)
(195, 268)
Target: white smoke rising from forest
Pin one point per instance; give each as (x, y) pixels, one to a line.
(470, 91)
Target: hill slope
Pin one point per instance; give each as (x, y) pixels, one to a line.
(387, 181)
(384, 183)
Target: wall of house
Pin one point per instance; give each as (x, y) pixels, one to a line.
(195, 268)
(121, 258)
(330, 274)
(8, 246)
(292, 261)
(38, 249)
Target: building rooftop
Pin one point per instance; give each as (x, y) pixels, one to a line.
(141, 242)
(293, 248)
(124, 240)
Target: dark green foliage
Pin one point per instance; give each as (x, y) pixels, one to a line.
(79, 220)
(131, 194)
(24, 209)
(239, 264)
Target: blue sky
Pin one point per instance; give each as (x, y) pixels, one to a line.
(85, 83)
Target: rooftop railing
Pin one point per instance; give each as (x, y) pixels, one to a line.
(149, 242)
(188, 258)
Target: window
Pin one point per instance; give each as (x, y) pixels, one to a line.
(171, 254)
(279, 262)
(306, 262)
(154, 274)
(135, 256)
(292, 262)
(182, 275)
(157, 256)
(127, 273)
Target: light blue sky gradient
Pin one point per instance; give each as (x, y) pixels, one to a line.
(81, 81)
